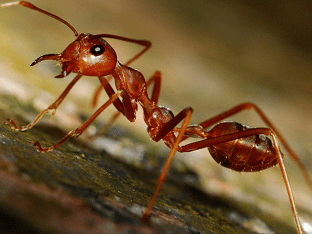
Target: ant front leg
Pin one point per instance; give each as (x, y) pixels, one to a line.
(76, 133)
(52, 108)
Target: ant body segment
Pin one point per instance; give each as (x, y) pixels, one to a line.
(232, 145)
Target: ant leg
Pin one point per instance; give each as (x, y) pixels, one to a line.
(156, 78)
(110, 92)
(288, 187)
(76, 133)
(97, 92)
(107, 125)
(250, 132)
(186, 115)
(96, 96)
(52, 108)
(124, 106)
(117, 103)
(146, 44)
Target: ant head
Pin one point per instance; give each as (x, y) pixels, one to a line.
(88, 55)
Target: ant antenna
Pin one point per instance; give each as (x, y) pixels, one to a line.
(31, 6)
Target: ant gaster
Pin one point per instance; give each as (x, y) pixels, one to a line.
(231, 144)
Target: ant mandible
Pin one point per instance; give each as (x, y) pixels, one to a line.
(232, 145)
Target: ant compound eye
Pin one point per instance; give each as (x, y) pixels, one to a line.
(97, 50)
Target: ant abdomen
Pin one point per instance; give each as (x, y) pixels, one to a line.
(252, 153)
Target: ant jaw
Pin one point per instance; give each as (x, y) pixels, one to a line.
(62, 75)
(46, 57)
(67, 68)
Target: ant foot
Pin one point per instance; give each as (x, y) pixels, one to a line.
(40, 148)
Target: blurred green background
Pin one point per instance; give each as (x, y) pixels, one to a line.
(213, 55)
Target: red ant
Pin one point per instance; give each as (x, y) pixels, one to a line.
(232, 145)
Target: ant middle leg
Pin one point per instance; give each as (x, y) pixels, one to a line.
(78, 131)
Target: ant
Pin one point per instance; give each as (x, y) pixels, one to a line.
(232, 145)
